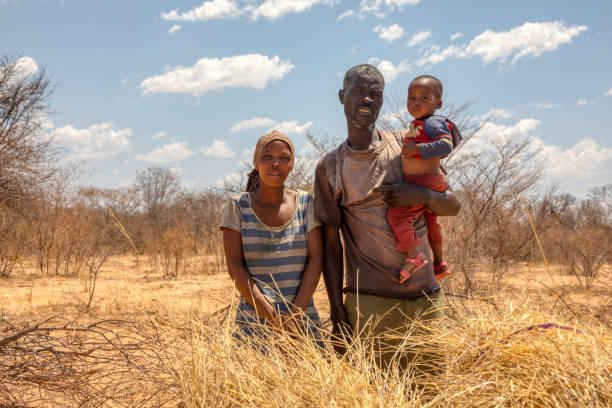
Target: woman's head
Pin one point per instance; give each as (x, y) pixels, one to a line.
(272, 161)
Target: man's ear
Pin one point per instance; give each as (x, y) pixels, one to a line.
(341, 96)
(439, 104)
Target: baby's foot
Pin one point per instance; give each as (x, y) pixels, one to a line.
(441, 270)
(411, 265)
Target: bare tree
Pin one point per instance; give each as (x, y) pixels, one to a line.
(157, 187)
(26, 152)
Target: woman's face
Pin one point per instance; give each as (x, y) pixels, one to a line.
(274, 163)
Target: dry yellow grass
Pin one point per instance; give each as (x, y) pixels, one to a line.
(491, 353)
(490, 357)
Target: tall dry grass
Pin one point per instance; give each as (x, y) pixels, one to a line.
(502, 355)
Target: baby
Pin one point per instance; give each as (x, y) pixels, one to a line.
(429, 139)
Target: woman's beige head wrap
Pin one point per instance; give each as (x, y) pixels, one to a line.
(253, 181)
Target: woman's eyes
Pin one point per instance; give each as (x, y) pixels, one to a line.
(268, 157)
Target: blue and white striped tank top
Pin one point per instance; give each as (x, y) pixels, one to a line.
(275, 256)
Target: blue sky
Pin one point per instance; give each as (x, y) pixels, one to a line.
(192, 84)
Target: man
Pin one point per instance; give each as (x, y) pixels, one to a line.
(354, 185)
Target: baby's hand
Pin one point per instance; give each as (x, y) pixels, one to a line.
(410, 148)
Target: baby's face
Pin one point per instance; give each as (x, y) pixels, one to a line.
(422, 99)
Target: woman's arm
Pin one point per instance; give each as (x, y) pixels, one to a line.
(243, 280)
(312, 271)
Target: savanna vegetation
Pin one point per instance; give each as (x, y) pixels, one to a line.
(119, 297)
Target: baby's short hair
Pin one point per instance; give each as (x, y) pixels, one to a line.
(362, 70)
(437, 84)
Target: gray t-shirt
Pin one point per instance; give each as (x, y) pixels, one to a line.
(344, 180)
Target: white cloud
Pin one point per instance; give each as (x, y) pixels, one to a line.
(585, 163)
(456, 35)
(379, 8)
(499, 113)
(218, 148)
(418, 38)
(530, 39)
(495, 133)
(539, 105)
(585, 160)
(26, 65)
(174, 29)
(228, 9)
(252, 124)
(433, 55)
(292, 127)
(583, 102)
(97, 141)
(289, 126)
(23, 67)
(273, 9)
(609, 92)
(390, 71)
(347, 13)
(209, 10)
(159, 135)
(167, 153)
(503, 113)
(231, 179)
(250, 70)
(389, 33)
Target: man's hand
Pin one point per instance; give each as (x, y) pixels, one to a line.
(404, 194)
(410, 148)
(341, 336)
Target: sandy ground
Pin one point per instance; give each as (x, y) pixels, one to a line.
(124, 288)
(127, 288)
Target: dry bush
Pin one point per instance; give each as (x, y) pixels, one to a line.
(71, 238)
(492, 225)
(14, 241)
(61, 362)
(169, 249)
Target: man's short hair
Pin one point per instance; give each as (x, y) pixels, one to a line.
(362, 70)
(437, 84)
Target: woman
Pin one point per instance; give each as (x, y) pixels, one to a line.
(272, 242)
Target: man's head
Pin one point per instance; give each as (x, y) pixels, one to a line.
(424, 96)
(362, 95)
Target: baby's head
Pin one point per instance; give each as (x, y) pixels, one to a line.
(424, 96)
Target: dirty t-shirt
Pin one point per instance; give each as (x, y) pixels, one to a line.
(344, 180)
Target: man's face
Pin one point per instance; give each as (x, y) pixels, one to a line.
(362, 99)
(422, 99)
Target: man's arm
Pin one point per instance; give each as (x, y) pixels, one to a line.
(410, 195)
(328, 211)
(333, 274)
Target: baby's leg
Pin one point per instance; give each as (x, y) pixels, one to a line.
(434, 235)
(438, 253)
